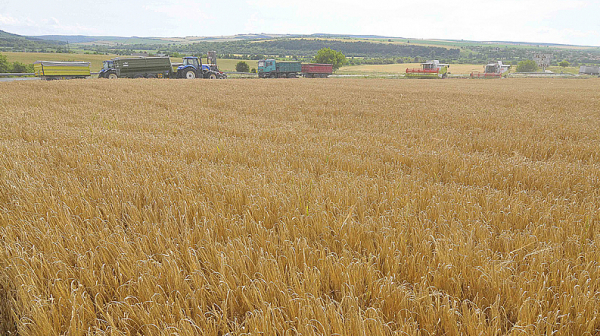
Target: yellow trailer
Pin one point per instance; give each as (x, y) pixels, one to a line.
(61, 70)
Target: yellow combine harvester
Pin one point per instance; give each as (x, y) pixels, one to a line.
(61, 70)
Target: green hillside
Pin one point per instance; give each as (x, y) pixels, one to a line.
(10, 41)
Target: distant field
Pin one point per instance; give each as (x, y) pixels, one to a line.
(401, 68)
(457, 69)
(29, 58)
(96, 60)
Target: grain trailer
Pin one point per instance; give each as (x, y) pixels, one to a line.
(49, 70)
(137, 67)
(312, 70)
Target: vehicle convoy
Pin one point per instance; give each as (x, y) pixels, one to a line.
(492, 70)
(49, 70)
(136, 67)
(429, 69)
(271, 68)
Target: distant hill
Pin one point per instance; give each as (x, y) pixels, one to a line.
(136, 40)
(14, 41)
(360, 49)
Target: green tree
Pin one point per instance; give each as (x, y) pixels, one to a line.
(21, 68)
(242, 66)
(4, 65)
(328, 56)
(564, 63)
(527, 66)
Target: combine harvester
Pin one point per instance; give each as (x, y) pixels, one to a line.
(50, 70)
(492, 70)
(430, 69)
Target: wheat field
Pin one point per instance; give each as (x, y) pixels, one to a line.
(300, 207)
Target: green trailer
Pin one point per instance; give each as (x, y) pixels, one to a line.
(278, 69)
(137, 67)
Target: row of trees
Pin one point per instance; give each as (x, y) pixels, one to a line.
(531, 66)
(14, 67)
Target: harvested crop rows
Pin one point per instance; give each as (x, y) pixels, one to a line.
(352, 207)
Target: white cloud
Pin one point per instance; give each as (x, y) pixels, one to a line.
(8, 20)
(560, 21)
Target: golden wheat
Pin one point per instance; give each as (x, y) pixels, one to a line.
(288, 207)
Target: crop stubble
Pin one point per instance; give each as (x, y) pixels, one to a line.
(300, 206)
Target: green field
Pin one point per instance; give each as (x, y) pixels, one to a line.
(30, 57)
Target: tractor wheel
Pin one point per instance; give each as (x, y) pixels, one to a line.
(212, 76)
(190, 74)
(112, 76)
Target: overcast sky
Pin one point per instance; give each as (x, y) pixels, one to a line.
(555, 21)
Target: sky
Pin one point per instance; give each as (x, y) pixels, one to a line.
(548, 21)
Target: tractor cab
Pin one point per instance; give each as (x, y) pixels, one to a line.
(193, 61)
(107, 68)
(107, 65)
(190, 69)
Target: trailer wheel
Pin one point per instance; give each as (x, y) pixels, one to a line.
(190, 74)
(273, 75)
(212, 76)
(112, 76)
(292, 75)
(151, 76)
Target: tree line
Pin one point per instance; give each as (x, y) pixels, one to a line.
(14, 67)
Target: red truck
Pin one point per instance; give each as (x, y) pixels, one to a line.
(314, 70)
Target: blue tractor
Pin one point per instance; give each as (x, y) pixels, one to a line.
(193, 68)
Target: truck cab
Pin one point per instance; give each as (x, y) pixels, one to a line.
(278, 69)
(267, 68)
